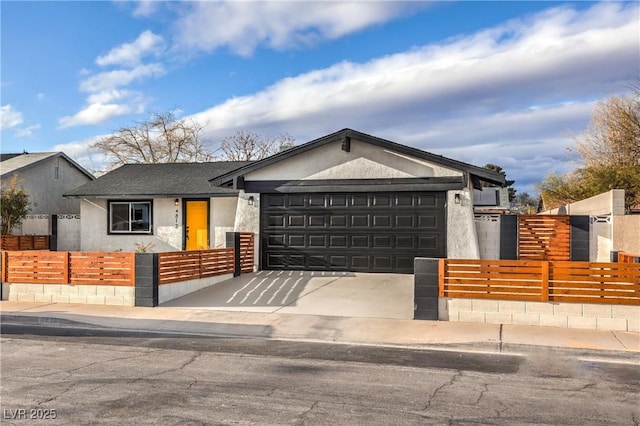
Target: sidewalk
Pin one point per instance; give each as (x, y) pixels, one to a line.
(370, 331)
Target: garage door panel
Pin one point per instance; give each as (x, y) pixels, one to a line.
(297, 220)
(336, 221)
(360, 220)
(317, 241)
(359, 232)
(338, 200)
(382, 221)
(360, 241)
(297, 240)
(338, 241)
(382, 241)
(296, 200)
(427, 221)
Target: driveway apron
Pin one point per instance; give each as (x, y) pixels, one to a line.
(346, 294)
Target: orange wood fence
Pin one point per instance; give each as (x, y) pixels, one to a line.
(51, 267)
(24, 242)
(555, 281)
(246, 251)
(628, 258)
(544, 237)
(188, 265)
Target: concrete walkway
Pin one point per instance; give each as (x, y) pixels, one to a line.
(372, 331)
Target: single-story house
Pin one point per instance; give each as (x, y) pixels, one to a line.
(347, 201)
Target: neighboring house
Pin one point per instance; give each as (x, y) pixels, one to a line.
(45, 177)
(347, 201)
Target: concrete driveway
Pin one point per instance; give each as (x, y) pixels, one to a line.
(347, 294)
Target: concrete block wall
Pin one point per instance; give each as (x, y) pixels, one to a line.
(167, 292)
(553, 314)
(67, 293)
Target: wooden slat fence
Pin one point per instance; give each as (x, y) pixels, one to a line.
(102, 268)
(628, 258)
(189, 265)
(246, 251)
(555, 281)
(78, 268)
(24, 242)
(544, 237)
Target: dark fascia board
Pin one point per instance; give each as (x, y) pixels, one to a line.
(482, 173)
(56, 154)
(357, 185)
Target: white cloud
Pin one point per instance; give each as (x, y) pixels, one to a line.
(95, 113)
(41, 96)
(242, 26)
(110, 80)
(513, 92)
(26, 132)
(9, 117)
(81, 151)
(131, 54)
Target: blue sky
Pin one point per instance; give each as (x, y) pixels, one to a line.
(501, 82)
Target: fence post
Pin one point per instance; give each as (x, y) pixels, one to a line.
(544, 275)
(233, 241)
(53, 238)
(146, 284)
(426, 288)
(67, 268)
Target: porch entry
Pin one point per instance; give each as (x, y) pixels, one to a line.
(197, 224)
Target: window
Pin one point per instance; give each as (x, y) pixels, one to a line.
(130, 217)
(56, 173)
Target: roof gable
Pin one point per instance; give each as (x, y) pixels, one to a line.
(344, 137)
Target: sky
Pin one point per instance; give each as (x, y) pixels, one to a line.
(510, 83)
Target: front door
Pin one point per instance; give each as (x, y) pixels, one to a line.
(197, 229)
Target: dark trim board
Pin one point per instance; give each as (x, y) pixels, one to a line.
(429, 184)
(351, 231)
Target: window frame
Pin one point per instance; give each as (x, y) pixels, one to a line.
(130, 231)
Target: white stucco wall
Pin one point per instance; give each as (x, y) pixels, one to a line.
(167, 229)
(364, 161)
(222, 220)
(462, 237)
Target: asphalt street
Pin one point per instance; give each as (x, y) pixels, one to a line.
(92, 375)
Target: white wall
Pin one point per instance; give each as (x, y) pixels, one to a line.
(222, 220)
(462, 237)
(167, 233)
(364, 161)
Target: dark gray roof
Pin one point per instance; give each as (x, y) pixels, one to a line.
(179, 180)
(344, 134)
(14, 163)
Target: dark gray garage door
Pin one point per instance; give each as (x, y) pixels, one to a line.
(379, 232)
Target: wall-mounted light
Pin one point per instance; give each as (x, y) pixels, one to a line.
(251, 200)
(456, 198)
(176, 202)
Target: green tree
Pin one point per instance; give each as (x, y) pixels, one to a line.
(609, 151)
(508, 183)
(525, 203)
(14, 206)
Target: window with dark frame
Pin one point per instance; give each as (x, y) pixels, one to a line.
(130, 217)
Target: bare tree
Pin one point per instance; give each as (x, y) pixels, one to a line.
(161, 138)
(247, 146)
(610, 154)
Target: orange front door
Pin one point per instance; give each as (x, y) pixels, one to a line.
(197, 230)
